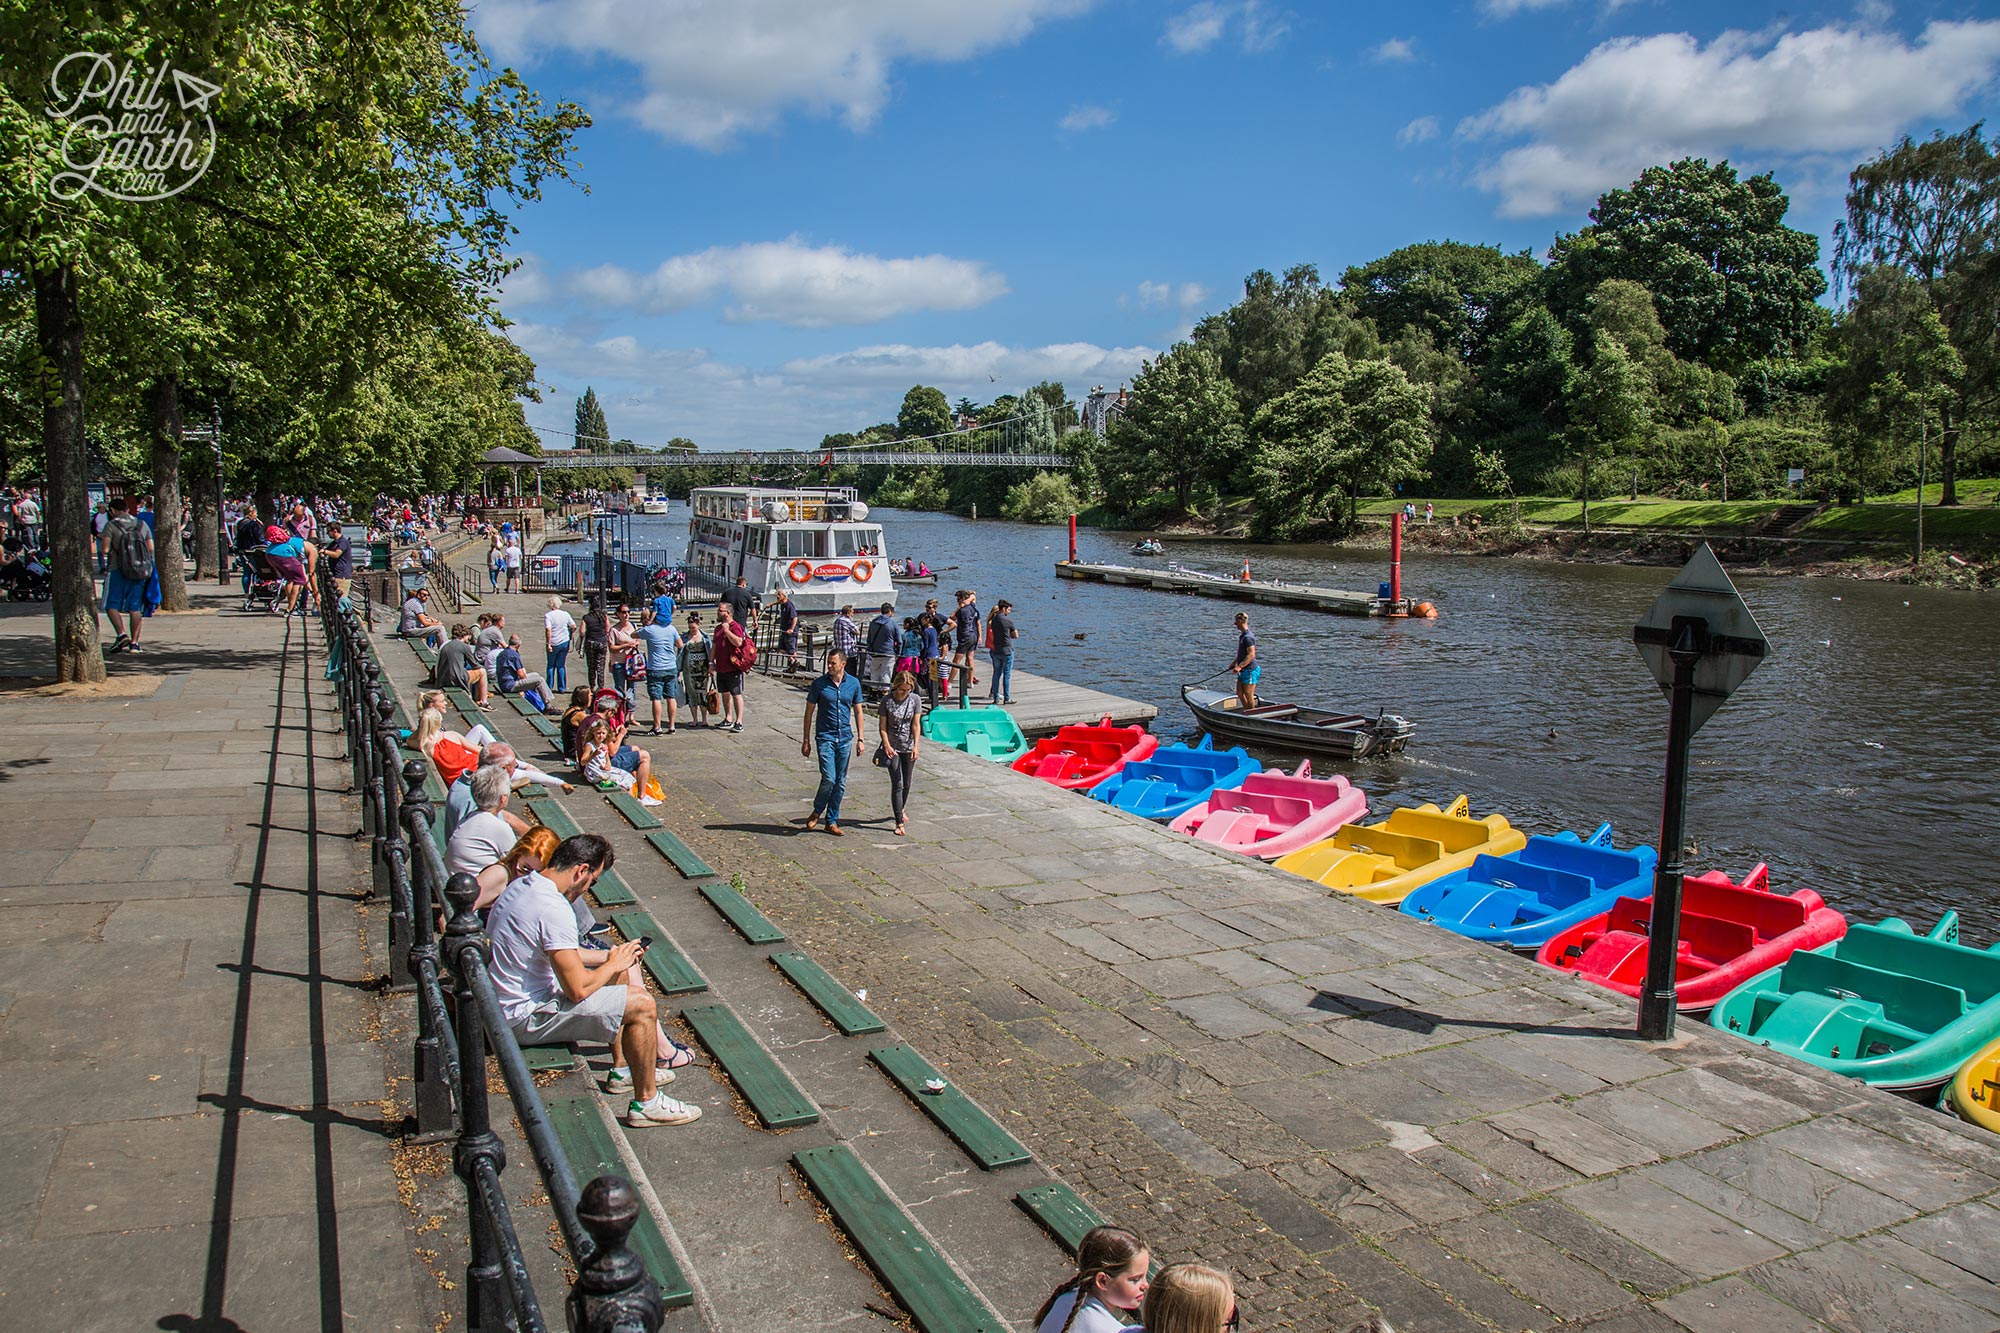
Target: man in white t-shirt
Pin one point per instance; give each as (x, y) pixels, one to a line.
(514, 565)
(484, 836)
(557, 627)
(551, 990)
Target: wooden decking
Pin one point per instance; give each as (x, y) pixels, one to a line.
(1163, 579)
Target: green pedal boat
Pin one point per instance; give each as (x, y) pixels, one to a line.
(990, 733)
(1882, 1004)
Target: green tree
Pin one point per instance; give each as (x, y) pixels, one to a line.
(1932, 210)
(1182, 418)
(593, 432)
(925, 412)
(1035, 428)
(1459, 295)
(1348, 429)
(1060, 407)
(1900, 374)
(1732, 282)
(1045, 497)
(1610, 408)
(1278, 331)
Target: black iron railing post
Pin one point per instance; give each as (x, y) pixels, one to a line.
(432, 1094)
(486, 1303)
(613, 1292)
(395, 849)
(371, 771)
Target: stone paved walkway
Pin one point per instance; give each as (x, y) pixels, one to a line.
(1343, 1106)
(190, 1098)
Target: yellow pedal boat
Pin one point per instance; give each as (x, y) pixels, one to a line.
(1975, 1092)
(1384, 862)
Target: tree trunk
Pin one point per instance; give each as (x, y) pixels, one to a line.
(163, 419)
(1586, 493)
(267, 503)
(207, 540)
(59, 328)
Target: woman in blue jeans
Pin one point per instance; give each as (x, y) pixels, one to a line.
(1000, 636)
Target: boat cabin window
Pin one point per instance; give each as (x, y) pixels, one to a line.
(796, 542)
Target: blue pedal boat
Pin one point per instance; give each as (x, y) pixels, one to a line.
(1523, 899)
(1174, 779)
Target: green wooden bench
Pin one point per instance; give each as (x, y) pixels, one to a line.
(664, 960)
(752, 924)
(541, 1059)
(592, 1153)
(1056, 1206)
(610, 889)
(462, 701)
(779, 1102)
(522, 706)
(837, 1002)
(534, 791)
(955, 1113)
(545, 727)
(636, 814)
(683, 857)
(937, 1298)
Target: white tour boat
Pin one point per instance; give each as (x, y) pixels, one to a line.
(814, 542)
(655, 504)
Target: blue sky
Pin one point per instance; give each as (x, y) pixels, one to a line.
(799, 208)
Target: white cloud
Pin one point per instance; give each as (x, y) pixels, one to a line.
(1196, 29)
(1086, 117)
(1636, 101)
(961, 367)
(1165, 295)
(527, 285)
(713, 70)
(790, 282)
(1201, 26)
(1395, 51)
(1421, 130)
(651, 394)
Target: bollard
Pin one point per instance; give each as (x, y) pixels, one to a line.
(613, 1292)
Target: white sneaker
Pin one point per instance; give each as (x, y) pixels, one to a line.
(661, 1110)
(616, 1082)
(651, 800)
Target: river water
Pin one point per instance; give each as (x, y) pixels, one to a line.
(1862, 759)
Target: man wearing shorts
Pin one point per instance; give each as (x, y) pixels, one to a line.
(1245, 666)
(129, 545)
(662, 643)
(552, 990)
(730, 644)
(965, 635)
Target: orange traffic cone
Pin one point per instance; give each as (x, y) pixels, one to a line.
(1246, 569)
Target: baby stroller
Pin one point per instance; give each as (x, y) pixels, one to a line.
(25, 573)
(266, 583)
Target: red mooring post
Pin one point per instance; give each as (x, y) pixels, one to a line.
(1396, 556)
(1072, 539)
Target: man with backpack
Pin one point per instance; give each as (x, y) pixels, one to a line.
(129, 549)
(734, 655)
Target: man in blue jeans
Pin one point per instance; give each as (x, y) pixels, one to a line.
(833, 727)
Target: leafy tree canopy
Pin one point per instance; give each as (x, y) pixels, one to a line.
(1457, 294)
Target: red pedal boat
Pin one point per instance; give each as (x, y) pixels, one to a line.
(1729, 933)
(1084, 754)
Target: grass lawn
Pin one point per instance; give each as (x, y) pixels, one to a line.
(1733, 514)
(1976, 518)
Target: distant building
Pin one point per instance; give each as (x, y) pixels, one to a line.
(1102, 408)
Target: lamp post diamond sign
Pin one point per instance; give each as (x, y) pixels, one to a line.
(1701, 642)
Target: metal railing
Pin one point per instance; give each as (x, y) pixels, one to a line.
(612, 1292)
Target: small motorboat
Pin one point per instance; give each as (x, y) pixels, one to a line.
(1413, 846)
(1297, 727)
(656, 503)
(1083, 754)
(1522, 899)
(1174, 780)
(914, 580)
(1975, 1090)
(1274, 812)
(1883, 1004)
(1148, 547)
(1729, 933)
(989, 733)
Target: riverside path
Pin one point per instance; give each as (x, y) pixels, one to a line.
(1350, 1111)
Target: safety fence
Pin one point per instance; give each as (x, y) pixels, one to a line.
(459, 1026)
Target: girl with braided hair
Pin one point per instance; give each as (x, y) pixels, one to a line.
(1106, 1292)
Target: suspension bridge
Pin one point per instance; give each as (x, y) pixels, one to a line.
(1009, 443)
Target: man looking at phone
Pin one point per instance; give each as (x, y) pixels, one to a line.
(552, 990)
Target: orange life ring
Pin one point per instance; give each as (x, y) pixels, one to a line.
(862, 569)
(799, 571)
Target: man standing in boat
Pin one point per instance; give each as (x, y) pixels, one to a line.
(1245, 666)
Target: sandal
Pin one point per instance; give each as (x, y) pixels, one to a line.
(680, 1059)
(899, 831)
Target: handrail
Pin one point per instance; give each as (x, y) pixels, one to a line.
(612, 1291)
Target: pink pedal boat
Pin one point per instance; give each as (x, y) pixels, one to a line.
(1275, 812)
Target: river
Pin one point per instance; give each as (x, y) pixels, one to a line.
(1859, 760)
